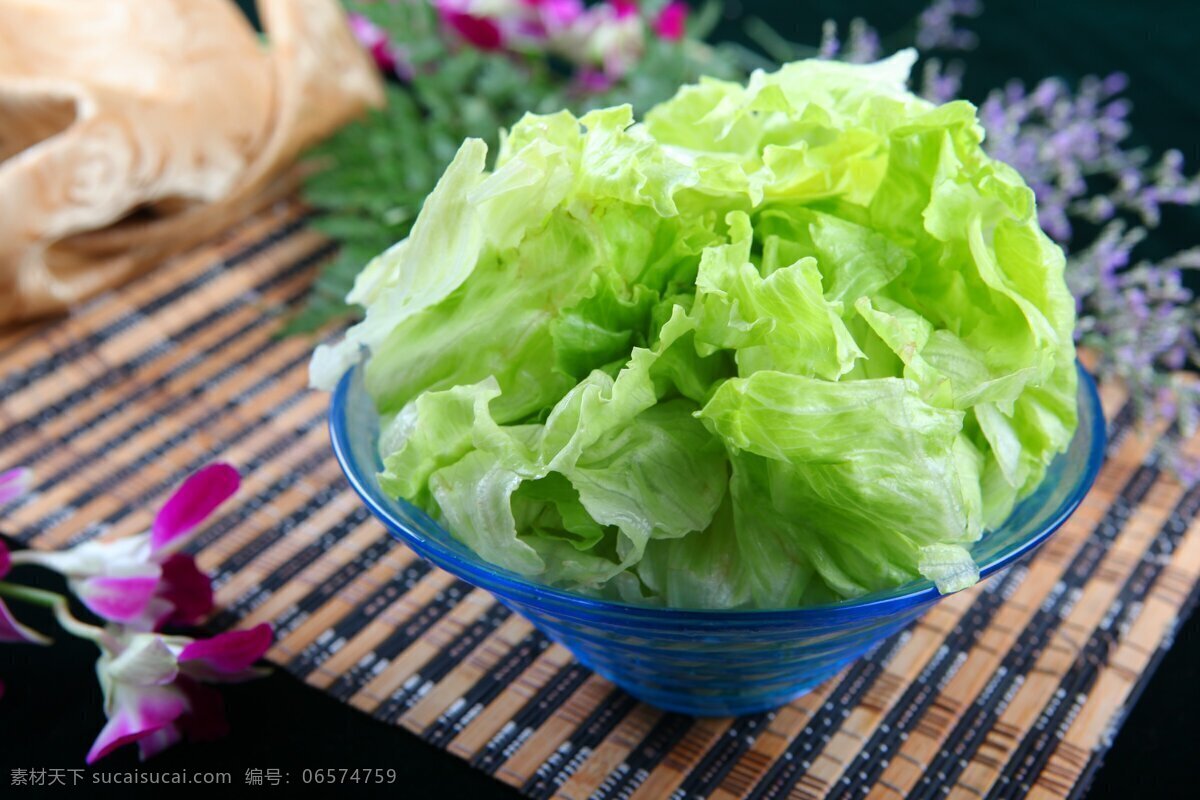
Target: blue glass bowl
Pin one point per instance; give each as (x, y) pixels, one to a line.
(711, 662)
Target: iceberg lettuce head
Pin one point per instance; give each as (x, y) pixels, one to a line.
(776, 344)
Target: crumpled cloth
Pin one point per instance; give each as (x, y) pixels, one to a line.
(130, 130)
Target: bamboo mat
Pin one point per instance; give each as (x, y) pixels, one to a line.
(1013, 688)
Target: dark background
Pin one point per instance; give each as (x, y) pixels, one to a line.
(52, 708)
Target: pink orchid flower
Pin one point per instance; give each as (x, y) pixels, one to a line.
(14, 483)
(154, 685)
(12, 631)
(143, 581)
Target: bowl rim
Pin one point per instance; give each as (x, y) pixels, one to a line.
(510, 586)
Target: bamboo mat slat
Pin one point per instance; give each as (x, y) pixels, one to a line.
(1012, 688)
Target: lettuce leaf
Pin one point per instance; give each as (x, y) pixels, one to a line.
(779, 344)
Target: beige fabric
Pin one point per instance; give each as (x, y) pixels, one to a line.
(131, 129)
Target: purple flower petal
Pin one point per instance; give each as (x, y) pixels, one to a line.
(153, 744)
(373, 38)
(120, 599)
(5, 559)
(367, 32)
(186, 588)
(157, 613)
(206, 721)
(623, 8)
(12, 631)
(593, 80)
(672, 21)
(226, 654)
(192, 502)
(140, 713)
(119, 731)
(14, 483)
(478, 31)
(558, 14)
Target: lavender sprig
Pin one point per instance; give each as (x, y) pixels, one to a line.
(937, 27)
(941, 83)
(861, 46)
(1141, 321)
(1071, 149)
(830, 45)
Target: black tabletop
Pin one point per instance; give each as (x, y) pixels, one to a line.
(52, 706)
